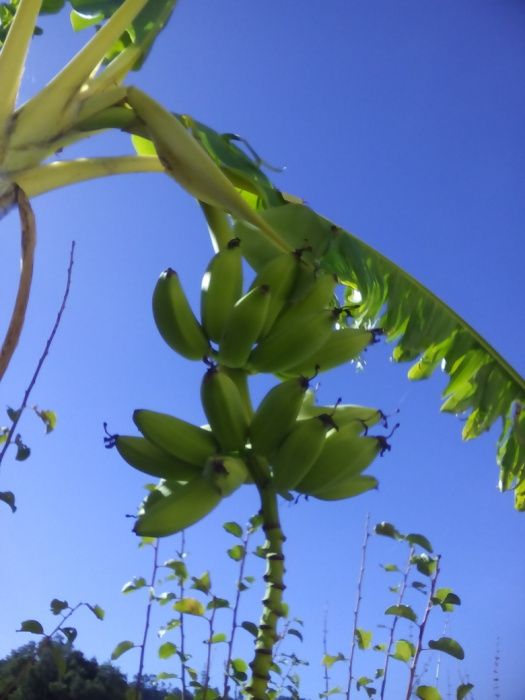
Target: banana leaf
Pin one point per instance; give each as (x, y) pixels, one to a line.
(482, 386)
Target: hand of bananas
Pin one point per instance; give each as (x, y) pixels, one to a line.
(289, 323)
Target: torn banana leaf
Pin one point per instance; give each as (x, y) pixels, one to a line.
(482, 385)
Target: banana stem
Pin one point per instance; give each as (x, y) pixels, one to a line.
(44, 178)
(37, 119)
(273, 607)
(28, 240)
(219, 226)
(12, 61)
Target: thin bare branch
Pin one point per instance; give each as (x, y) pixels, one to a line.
(43, 356)
(28, 242)
(359, 597)
(140, 674)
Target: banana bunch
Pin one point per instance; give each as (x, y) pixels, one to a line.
(287, 323)
(318, 451)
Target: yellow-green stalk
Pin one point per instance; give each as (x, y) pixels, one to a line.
(12, 61)
(273, 607)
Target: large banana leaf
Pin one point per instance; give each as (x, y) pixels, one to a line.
(482, 386)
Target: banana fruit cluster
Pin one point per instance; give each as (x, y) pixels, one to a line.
(287, 323)
(317, 451)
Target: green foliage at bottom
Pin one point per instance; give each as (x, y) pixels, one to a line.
(52, 670)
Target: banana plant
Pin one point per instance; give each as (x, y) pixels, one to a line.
(88, 95)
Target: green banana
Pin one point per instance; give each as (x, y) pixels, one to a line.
(183, 440)
(276, 415)
(150, 459)
(243, 327)
(184, 506)
(343, 413)
(291, 345)
(240, 379)
(345, 454)
(355, 486)
(341, 345)
(257, 249)
(279, 274)
(175, 320)
(226, 473)
(224, 409)
(299, 450)
(319, 296)
(221, 288)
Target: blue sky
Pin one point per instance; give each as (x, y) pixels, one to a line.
(404, 124)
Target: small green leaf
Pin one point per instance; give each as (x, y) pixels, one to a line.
(419, 586)
(236, 553)
(390, 567)
(363, 681)
(329, 660)
(425, 565)
(250, 627)
(179, 568)
(463, 690)
(22, 450)
(387, 530)
(13, 415)
(448, 646)
(402, 611)
(49, 419)
(167, 650)
(9, 498)
(70, 633)
(405, 650)
(363, 638)
(446, 599)
(260, 552)
(171, 625)
(165, 676)
(295, 633)
(239, 665)
(203, 583)
(97, 611)
(58, 605)
(189, 606)
(379, 647)
(333, 691)
(4, 432)
(233, 528)
(428, 692)
(134, 584)
(32, 626)
(380, 672)
(217, 638)
(255, 523)
(216, 603)
(121, 648)
(421, 540)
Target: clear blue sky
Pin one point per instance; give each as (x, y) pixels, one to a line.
(402, 122)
